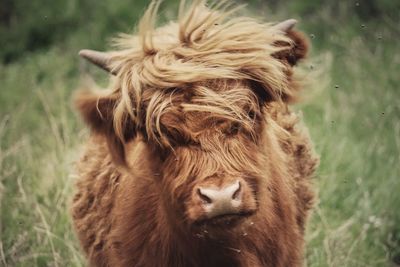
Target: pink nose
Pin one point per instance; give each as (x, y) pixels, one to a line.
(223, 201)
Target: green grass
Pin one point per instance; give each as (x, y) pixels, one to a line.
(352, 111)
(355, 124)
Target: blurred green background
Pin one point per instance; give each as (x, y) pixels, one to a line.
(352, 108)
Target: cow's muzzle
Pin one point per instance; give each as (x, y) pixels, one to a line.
(224, 205)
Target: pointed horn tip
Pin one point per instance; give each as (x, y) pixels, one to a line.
(286, 25)
(291, 21)
(84, 53)
(100, 59)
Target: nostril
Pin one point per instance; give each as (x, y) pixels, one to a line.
(203, 197)
(236, 194)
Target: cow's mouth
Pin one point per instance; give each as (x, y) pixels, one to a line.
(224, 220)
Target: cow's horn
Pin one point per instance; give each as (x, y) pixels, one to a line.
(100, 59)
(286, 25)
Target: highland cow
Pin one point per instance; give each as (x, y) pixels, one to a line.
(194, 157)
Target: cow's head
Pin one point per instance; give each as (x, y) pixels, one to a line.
(197, 92)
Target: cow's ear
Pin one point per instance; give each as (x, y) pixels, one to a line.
(97, 110)
(294, 51)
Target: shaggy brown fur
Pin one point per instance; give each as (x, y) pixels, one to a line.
(201, 101)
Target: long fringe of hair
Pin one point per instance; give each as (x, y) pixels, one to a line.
(206, 43)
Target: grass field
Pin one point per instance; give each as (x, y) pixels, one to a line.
(352, 110)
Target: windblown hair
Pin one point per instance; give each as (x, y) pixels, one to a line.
(199, 105)
(203, 46)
